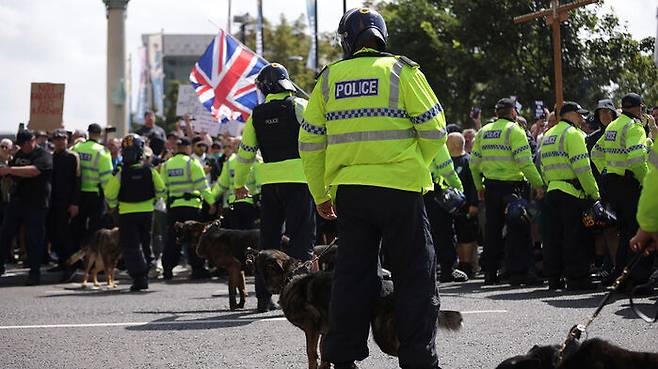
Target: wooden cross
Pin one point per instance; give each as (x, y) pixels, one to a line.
(554, 16)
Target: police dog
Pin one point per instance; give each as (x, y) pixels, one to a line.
(594, 353)
(227, 248)
(101, 252)
(305, 303)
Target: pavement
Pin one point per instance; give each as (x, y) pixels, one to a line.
(183, 324)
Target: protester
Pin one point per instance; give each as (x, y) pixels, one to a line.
(153, 133)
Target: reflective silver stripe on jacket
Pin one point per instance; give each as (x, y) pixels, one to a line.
(370, 136)
(245, 160)
(622, 139)
(325, 84)
(394, 85)
(653, 158)
(304, 146)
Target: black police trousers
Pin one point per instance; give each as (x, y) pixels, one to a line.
(172, 251)
(240, 215)
(443, 233)
(292, 204)
(34, 220)
(59, 232)
(623, 193)
(89, 218)
(366, 216)
(515, 248)
(566, 252)
(134, 233)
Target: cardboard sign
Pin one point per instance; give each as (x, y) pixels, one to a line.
(46, 106)
(539, 109)
(188, 103)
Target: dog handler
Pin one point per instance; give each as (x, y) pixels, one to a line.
(274, 129)
(370, 131)
(646, 237)
(135, 187)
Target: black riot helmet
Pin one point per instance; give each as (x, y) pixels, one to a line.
(132, 149)
(359, 26)
(274, 78)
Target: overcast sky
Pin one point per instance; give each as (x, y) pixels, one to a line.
(64, 41)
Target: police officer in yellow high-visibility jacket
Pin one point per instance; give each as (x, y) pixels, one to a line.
(95, 171)
(371, 129)
(501, 164)
(646, 238)
(567, 170)
(273, 128)
(238, 213)
(133, 190)
(187, 188)
(621, 157)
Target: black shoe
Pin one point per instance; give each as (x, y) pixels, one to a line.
(609, 280)
(139, 283)
(2, 270)
(201, 273)
(57, 269)
(555, 284)
(527, 279)
(33, 280)
(167, 275)
(345, 365)
(467, 268)
(265, 305)
(582, 284)
(491, 279)
(455, 276)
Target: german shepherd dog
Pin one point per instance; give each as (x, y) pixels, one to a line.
(101, 252)
(305, 303)
(594, 353)
(227, 248)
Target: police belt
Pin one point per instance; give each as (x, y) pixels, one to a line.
(186, 196)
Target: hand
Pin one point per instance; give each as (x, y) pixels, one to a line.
(326, 210)
(212, 209)
(73, 210)
(4, 171)
(241, 193)
(207, 169)
(644, 241)
(481, 195)
(540, 192)
(473, 211)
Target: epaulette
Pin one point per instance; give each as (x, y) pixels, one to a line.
(407, 61)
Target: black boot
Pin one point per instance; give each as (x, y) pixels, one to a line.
(555, 284)
(139, 283)
(265, 305)
(346, 365)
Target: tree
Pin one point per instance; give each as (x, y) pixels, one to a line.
(473, 54)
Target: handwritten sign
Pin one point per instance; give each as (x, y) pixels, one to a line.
(46, 106)
(188, 103)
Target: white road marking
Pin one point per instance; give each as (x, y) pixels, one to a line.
(179, 322)
(136, 324)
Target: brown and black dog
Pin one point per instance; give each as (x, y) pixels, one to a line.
(227, 248)
(305, 303)
(594, 353)
(101, 252)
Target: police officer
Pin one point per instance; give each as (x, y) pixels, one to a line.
(646, 238)
(566, 168)
(30, 170)
(64, 200)
(621, 156)
(274, 129)
(442, 222)
(238, 213)
(95, 170)
(370, 132)
(187, 187)
(501, 165)
(134, 188)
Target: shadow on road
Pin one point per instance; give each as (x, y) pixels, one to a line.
(236, 319)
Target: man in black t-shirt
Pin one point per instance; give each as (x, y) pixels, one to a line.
(31, 169)
(155, 134)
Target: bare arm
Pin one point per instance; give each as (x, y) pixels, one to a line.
(27, 171)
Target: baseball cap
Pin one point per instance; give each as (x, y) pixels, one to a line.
(24, 136)
(94, 128)
(631, 100)
(183, 141)
(570, 106)
(172, 134)
(505, 103)
(605, 104)
(59, 133)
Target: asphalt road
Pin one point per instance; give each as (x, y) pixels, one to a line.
(188, 325)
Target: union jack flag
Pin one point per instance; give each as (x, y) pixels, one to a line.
(224, 78)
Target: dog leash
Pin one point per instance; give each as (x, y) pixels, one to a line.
(577, 330)
(652, 281)
(307, 264)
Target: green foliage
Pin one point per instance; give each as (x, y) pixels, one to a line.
(473, 54)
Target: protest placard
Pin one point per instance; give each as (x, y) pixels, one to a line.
(188, 103)
(46, 106)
